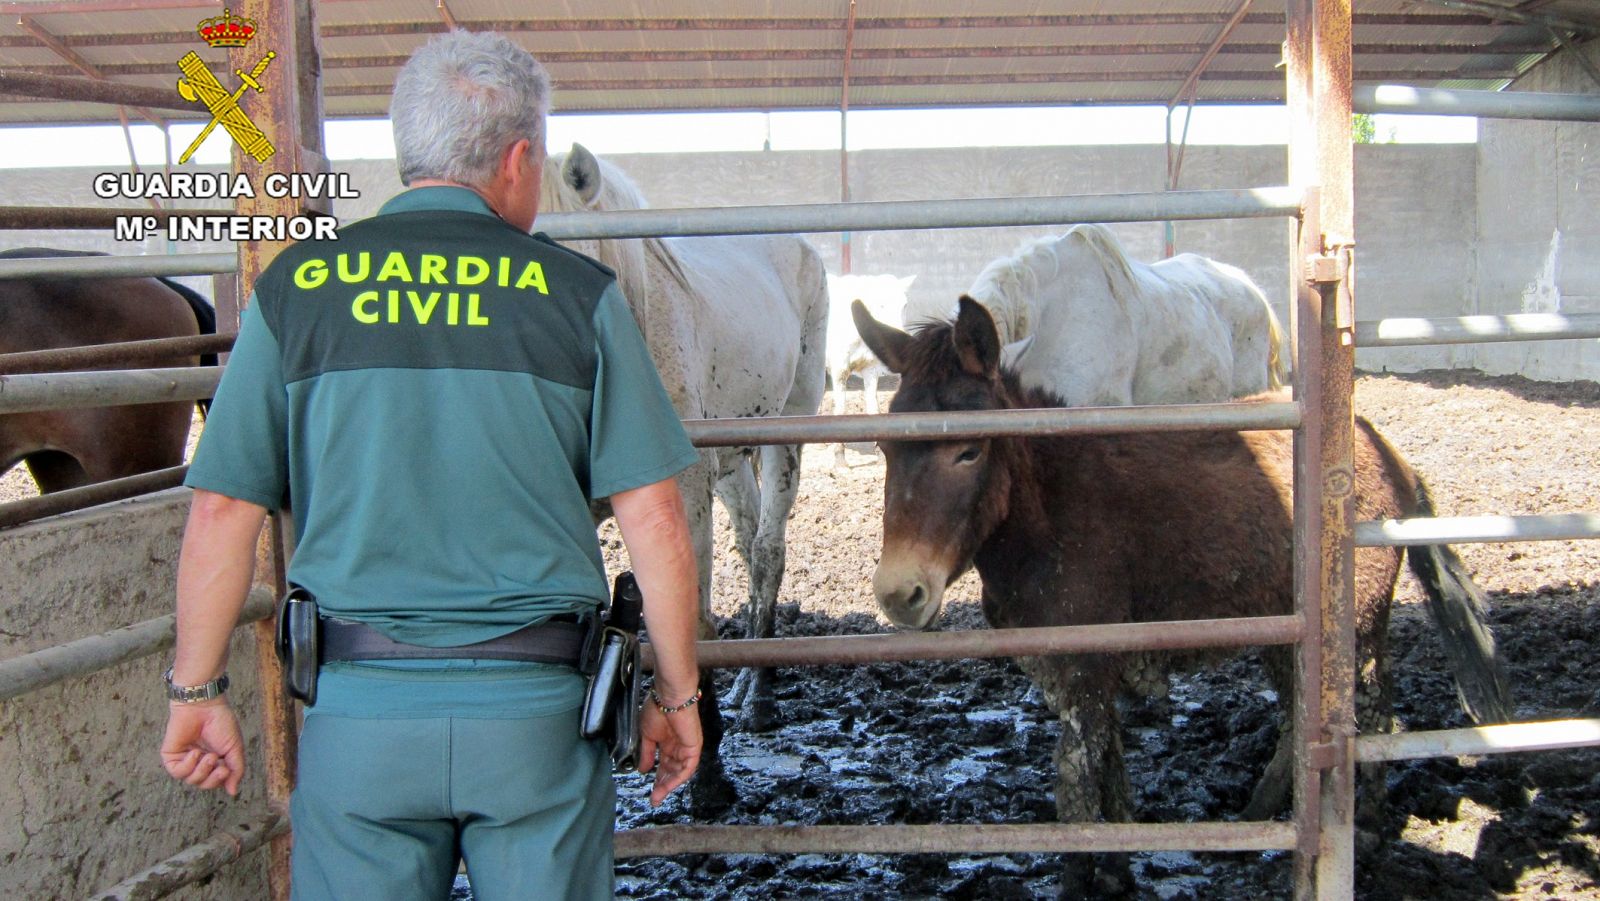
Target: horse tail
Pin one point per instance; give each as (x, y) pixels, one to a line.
(1277, 360)
(1459, 608)
(205, 315)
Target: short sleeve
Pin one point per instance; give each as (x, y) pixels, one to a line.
(243, 450)
(635, 437)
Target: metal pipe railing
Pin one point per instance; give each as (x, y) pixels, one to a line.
(890, 215)
(1550, 735)
(60, 359)
(199, 860)
(29, 509)
(47, 666)
(1476, 529)
(1410, 332)
(1103, 638)
(977, 838)
(32, 392)
(151, 266)
(1394, 98)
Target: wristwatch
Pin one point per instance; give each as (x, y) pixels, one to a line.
(190, 694)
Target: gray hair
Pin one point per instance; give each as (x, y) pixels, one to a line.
(460, 101)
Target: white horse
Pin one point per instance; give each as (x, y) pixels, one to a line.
(885, 297)
(736, 327)
(1081, 319)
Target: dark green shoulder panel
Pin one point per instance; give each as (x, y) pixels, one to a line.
(434, 290)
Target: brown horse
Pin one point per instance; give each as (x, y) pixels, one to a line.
(1079, 529)
(70, 448)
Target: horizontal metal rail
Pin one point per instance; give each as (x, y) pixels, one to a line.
(1394, 98)
(127, 266)
(60, 359)
(1550, 735)
(978, 838)
(1476, 529)
(889, 215)
(57, 87)
(32, 392)
(198, 861)
(47, 666)
(59, 217)
(29, 509)
(977, 424)
(1408, 332)
(976, 643)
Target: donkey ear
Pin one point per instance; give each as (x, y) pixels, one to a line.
(886, 342)
(581, 171)
(977, 342)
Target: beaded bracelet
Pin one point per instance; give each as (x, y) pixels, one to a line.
(662, 705)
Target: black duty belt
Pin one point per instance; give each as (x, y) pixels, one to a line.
(555, 641)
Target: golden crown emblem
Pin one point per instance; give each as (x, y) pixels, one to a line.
(227, 30)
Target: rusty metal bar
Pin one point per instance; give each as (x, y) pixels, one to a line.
(979, 838)
(45, 667)
(75, 390)
(58, 87)
(150, 266)
(1207, 55)
(66, 359)
(29, 509)
(972, 643)
(292, 115)
(1550, 735)
(41, 217)
(1481, 529)
(1410, 332)
(199, 860)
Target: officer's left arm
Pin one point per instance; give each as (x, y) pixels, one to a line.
(203, 746)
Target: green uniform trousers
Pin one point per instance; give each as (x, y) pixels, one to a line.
(386, 806)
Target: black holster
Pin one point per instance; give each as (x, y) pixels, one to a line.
(611, 705)
(299, 644)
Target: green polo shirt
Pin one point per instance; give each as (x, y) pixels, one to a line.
(437, 397)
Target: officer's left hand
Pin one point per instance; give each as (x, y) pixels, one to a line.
(203, 745)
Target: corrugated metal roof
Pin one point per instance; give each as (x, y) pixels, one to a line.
(617, 55)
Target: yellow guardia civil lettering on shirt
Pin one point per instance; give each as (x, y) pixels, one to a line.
(394, 305)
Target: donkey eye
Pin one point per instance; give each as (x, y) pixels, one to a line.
(970, 454)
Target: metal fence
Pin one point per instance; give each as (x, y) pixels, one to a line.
(1317, 822)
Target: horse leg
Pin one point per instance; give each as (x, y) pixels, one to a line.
(54, 470)
(1374, 714)
(1091, 782)
(1273, 790)
(780, 484)
(741, 497)
(710, 792)
(839, 377)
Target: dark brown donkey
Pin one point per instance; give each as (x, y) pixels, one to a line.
(70, 448)
(1079, 529)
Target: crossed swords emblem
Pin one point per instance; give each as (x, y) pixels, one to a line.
(199, 84)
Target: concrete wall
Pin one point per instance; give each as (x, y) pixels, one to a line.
(86, 803)
(1539, 246)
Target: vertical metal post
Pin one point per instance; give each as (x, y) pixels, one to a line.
(289, 113)
(1318, 71)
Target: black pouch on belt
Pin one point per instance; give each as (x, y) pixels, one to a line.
(611, 706)
(299, 644)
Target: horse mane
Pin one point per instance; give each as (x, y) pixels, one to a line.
(625, 256)
(1005, 285)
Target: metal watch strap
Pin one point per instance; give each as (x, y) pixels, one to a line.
(191, 694)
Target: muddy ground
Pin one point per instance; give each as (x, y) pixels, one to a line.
(967, 742)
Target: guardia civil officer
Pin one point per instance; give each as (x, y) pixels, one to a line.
(437, 396)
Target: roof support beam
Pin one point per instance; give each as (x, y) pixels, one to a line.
(844, 137)
(447, 17)
(78, 62)
(1525, 17)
